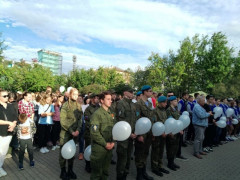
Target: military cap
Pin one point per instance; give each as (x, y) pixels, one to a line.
(112, 91)
(93, 95)
(139, 93)
(162, 98)
(146, 87)
(127, 88)
(171, 98)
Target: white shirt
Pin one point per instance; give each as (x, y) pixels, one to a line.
(45, 109)
(25, 129)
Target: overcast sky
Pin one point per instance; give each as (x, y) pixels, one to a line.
(121, 33)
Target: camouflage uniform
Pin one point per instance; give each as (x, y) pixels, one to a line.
(142, 148)
(71, 121)
(125, 111)
(87, 116)
(172, 143)
(159, 142)
(113, 107)
(101, 125)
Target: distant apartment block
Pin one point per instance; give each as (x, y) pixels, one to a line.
(52, 60)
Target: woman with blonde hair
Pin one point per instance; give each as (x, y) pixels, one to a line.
(71, 123)
(46, 111)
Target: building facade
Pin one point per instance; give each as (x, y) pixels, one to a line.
(51, 60)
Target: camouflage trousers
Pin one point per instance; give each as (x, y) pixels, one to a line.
(142, 151)
(172, 143)
(124, 151)
(158, 145)
(64, 138)
(100, 162)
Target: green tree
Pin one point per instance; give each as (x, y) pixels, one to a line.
(94, 88)
(186, 55)
(175, 70)
(140, 78)
(26, 78)
(60, 80)
(215, 61)
(7, 77)
(157, 71)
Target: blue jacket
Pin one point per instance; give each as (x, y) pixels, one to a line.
(236, 111)
(224, 107)
(212, 107)
(191, 104)
(200, 116)
(182, 106)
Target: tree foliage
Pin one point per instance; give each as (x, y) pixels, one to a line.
(201, 63)
(26, 77)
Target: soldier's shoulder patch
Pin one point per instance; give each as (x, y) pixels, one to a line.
(137, 113)
(154, 119)
(112, 115)
(94, 128)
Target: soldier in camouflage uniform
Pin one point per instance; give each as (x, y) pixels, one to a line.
(172, 141)
(71, 123)
(143, 142)
(114, 101)
(159, 142)
(113, 110)
(125, 111)
(102, 122)
(139, 95)
(93, 106)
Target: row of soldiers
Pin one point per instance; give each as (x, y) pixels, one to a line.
(99, 121)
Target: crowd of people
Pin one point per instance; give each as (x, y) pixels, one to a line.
(47, 120)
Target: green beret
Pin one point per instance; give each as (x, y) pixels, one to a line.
(162, 99)
(171, 98)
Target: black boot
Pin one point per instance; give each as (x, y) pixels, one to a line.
(157, 172)
(139, 174)
(122, 176)
(71, 174)
(64, 174)
(88, 167)
(125, 176)
(175, 165)
(164, 170)
(113, 162)
(145, 175)
(170, 165)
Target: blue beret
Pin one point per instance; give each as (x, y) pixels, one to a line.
(146, 87)
(171, 98)
(162, 99)
(139, 93)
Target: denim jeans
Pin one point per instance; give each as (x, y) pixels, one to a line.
(198, 140)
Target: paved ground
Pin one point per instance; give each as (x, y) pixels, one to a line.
(222, 164)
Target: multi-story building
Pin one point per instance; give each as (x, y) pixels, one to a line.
(52, 60)
(125, 74)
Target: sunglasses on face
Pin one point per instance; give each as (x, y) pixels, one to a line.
(5, 96)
